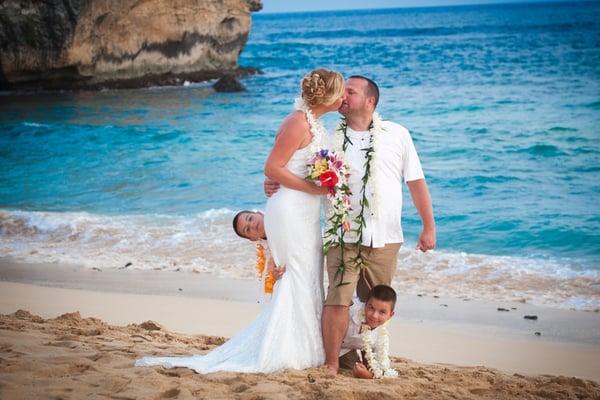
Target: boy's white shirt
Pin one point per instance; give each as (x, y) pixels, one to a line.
(353, 339)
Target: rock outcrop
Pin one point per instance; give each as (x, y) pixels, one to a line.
(93, 44)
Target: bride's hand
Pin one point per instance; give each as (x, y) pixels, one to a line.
(321, 190)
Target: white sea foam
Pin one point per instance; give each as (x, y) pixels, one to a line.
(35, 125)
(205, 242)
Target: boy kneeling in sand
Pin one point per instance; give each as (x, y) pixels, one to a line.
(365, 348)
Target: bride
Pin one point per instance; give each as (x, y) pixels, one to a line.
(287, 332)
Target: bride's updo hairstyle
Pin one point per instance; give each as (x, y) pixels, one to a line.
(322, 87)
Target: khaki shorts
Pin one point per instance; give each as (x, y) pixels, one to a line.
(348, 360)
(379, 270)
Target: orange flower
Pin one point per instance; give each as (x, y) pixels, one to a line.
(269, 282)
(260, 260)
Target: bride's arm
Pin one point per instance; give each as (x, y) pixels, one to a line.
(291, 136)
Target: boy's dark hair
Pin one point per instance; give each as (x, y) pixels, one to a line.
(383, 293)
(235, 220)
(372, 88)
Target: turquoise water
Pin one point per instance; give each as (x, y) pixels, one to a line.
(503, 103)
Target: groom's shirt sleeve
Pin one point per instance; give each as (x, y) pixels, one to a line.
(411, 165)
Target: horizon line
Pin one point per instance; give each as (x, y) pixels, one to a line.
(499, 3)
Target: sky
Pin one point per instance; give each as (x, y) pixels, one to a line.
(275, 6)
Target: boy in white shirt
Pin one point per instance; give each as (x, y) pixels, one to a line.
(365, 348)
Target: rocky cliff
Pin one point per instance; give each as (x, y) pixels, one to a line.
(55, 44)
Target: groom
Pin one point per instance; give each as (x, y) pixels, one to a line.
(388, 150)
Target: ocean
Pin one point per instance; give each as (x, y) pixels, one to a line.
(502, 101)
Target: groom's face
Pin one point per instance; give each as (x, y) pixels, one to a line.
(355, 99)
(251, 225)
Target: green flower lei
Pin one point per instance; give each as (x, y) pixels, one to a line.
(358, 261)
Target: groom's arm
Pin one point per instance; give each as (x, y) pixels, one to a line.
(422, 201)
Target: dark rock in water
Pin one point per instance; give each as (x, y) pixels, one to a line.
(538, 333)
(513, 308)
(228, 83)
(436, 297)
(255, 5)
(96, 269)
(531, 317)
(129, 264)
(503, 309)
(242, 72)
(97, 44)
(443, 305)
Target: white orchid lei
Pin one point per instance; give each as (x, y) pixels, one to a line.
(323, 161)
(340, 144)
(317, 128)
(379, 363)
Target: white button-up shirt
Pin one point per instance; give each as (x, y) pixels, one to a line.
(352, 339)
(395, 160)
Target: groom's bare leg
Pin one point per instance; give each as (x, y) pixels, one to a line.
(334, 325)
(334, 322)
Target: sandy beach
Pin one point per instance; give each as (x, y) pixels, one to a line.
(77, 332)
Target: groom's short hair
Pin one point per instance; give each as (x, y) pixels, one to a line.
(372, 88)
(383, 293)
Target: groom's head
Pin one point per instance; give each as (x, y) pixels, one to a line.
(249, 225)
(362, 96)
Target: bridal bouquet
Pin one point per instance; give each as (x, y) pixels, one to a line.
(328, 169)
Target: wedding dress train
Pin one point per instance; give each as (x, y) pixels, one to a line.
(287, 332)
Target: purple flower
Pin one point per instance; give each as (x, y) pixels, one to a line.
(324, 153)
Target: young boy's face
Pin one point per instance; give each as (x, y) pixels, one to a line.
(377, 312)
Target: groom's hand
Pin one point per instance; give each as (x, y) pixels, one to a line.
(270, 187)
(426, 240)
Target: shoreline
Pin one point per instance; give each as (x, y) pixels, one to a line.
(554, 324)
(442, 331)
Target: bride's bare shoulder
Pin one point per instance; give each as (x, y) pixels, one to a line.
(295, 123)
(296, 118)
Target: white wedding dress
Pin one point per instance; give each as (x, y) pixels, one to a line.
(287, 332)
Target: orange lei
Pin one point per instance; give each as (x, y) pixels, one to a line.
(260, 260)
(260, 268)
(269, 282)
